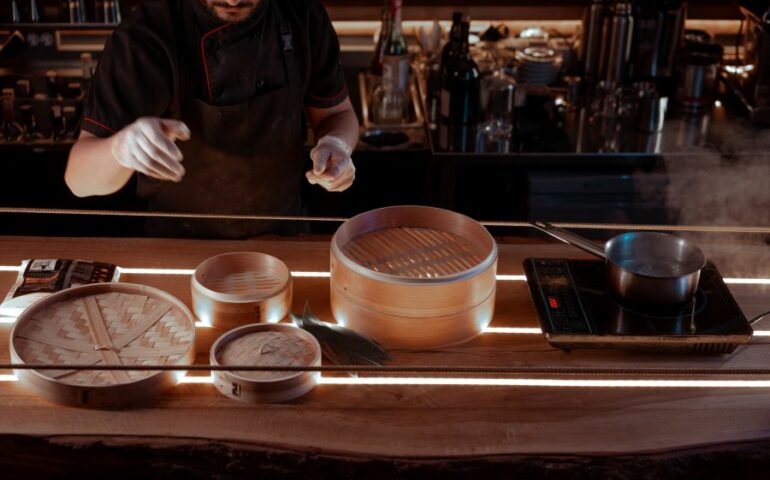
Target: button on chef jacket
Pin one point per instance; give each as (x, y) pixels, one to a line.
(175, 54)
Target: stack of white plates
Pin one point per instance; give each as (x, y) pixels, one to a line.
(538, 65)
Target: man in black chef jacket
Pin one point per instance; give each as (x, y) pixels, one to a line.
(205, 100)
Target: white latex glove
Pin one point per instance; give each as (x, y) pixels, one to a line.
(147, 146)
(333, 168)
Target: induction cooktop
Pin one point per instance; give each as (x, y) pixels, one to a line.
(577, 310)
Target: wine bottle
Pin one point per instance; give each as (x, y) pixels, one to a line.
(87, 70)
(10, 130)
(450, 49)
(15, 12)
(115, 8)
(395, 63)
(460, 86)
(379, 51)
(52, 84)
(34, 11)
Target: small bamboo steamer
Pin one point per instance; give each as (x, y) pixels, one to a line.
(267, 344)
(107, 323)
(240, 288)
(413, 277)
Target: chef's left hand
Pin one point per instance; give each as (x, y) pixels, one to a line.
(333, 168)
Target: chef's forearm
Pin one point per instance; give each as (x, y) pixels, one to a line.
(92, 169)
(342, 124)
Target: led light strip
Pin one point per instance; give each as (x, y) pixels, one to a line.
(304, 274)
(514, 330)
(543, 382)
(502, 382)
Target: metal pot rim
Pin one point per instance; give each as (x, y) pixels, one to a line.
(694, 268)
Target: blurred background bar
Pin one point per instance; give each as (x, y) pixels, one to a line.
(506, 109)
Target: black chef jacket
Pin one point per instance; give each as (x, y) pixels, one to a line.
(138, 73)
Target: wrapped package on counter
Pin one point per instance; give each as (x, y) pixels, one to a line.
(39, 278)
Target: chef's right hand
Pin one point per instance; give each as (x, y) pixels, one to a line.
(147, 146)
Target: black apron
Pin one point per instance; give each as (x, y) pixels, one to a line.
(246, 158)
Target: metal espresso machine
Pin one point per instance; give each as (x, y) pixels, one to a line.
(749, 79)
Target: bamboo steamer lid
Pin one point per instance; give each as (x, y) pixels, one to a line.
(241, 288)
(265, 344)
(413, 277)
(103, 324)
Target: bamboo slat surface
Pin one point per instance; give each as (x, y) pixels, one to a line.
(420, 420)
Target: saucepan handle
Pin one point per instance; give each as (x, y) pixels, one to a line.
(570, 238)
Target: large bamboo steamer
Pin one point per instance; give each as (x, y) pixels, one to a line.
(107, 323)
(413, 276)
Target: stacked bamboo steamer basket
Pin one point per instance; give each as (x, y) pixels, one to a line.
(235, 289)
(247, 293)
(103, 324)
(413, 277)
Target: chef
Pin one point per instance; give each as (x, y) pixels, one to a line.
(207, 102)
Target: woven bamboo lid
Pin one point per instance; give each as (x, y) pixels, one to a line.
(415, 245)
(241, 277)
(103, 324)
(415, 252)
(265, 345)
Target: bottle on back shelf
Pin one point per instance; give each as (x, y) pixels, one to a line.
(395, 60)
(15, 12)
(34, 11)
(10, 130)
(460, 98)
(52, 84)
(87, 67)
(390, 100)
(436, 72)
(460, 85)
(450, 49)
(379, 51)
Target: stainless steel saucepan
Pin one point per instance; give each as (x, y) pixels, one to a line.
(643, 267)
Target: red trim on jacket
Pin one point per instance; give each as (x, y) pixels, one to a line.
(98, 124)
(341, 92)
(203, 55)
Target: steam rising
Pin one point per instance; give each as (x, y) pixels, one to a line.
(721, 178)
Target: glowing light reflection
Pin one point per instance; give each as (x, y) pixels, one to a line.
(511, 278)
(503, 382)
(310, 274)
(545, 382)
(514, 330)
(196, 379)
(156, 271)
(747, 281)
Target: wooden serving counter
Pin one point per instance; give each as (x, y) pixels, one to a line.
(357, 426)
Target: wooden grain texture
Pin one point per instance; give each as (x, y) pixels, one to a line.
(416, 421)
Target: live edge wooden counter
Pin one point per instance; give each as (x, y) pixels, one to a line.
(403, 422)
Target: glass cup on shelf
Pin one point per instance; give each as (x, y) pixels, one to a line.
(498, 100)
(608, 100)
(389, 105)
